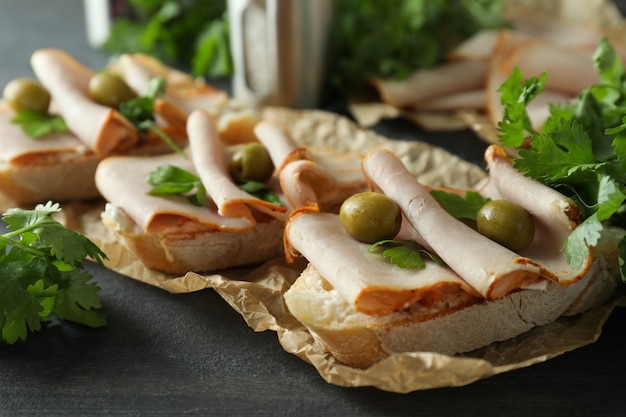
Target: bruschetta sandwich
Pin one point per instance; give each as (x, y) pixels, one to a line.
(437, 280)
(218, 204)
(57, 126)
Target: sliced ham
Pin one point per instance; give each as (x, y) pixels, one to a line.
(428, 83)
(366, 280)
(18, 148)
(208, 155)
(182, 90)
(504, 59)
(279, 143)
(310, 178)
(554, 215)
(154, 213)
(491, 269)
(476, 47)
(471, 99)
(570, 68)
(101, 128)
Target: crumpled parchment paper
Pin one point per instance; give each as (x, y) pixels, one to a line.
(256, 292)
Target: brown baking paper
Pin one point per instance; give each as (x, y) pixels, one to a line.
(256, 292)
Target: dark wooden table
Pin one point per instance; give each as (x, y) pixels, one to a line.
(164, 355)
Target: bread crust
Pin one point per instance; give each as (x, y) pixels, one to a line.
(360, 340)
(64, 176)
(70, 178)
(178, 252)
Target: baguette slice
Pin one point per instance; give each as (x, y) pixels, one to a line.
(59, 176)
(360, 340)
(178, 251)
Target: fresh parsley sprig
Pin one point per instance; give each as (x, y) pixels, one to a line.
(580, 149)
(405, 253)
(140, 112)
(168, 179)
(42, 274)
(37, 124)
(460, 207)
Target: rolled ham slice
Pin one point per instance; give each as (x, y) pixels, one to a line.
(182, 90)
(366, 280)
(491, 269)
(554, 215)
(18, 148)
(533, 57)
(209, 158)
(157, 214)
(101, 128)
(310, 178)
(428, 83)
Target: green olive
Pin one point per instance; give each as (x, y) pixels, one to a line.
(109, 89)
(26, 94)
(506, 223)
(370, 217)
(251, 162)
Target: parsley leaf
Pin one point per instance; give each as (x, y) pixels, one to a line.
(580, 149)
(37, 124)
(260, 190)
(170, 180)
(515, 123)
(460, 207)
(42, 275)
(405, 253)
(140, 112)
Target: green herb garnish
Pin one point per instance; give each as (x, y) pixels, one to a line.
(170, 180)
(259, 190)
(37, 124)
(580, 150)
(42, 275)
(405, 253)
(466, 207)
(140, 112)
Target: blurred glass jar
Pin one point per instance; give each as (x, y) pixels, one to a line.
(279, 51)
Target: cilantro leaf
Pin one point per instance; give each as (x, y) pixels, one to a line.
(516, 95)
(465, 207)
(580, 150)
(260, 190)
(140, 112)
(63, 244)
(562, 145)
(405, 253)
(170, 180)
(37, 124)
(41, 275)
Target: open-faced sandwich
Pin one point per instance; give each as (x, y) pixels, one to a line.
(219, 205)
(423, 280)
(406, 268)
(57, 127)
